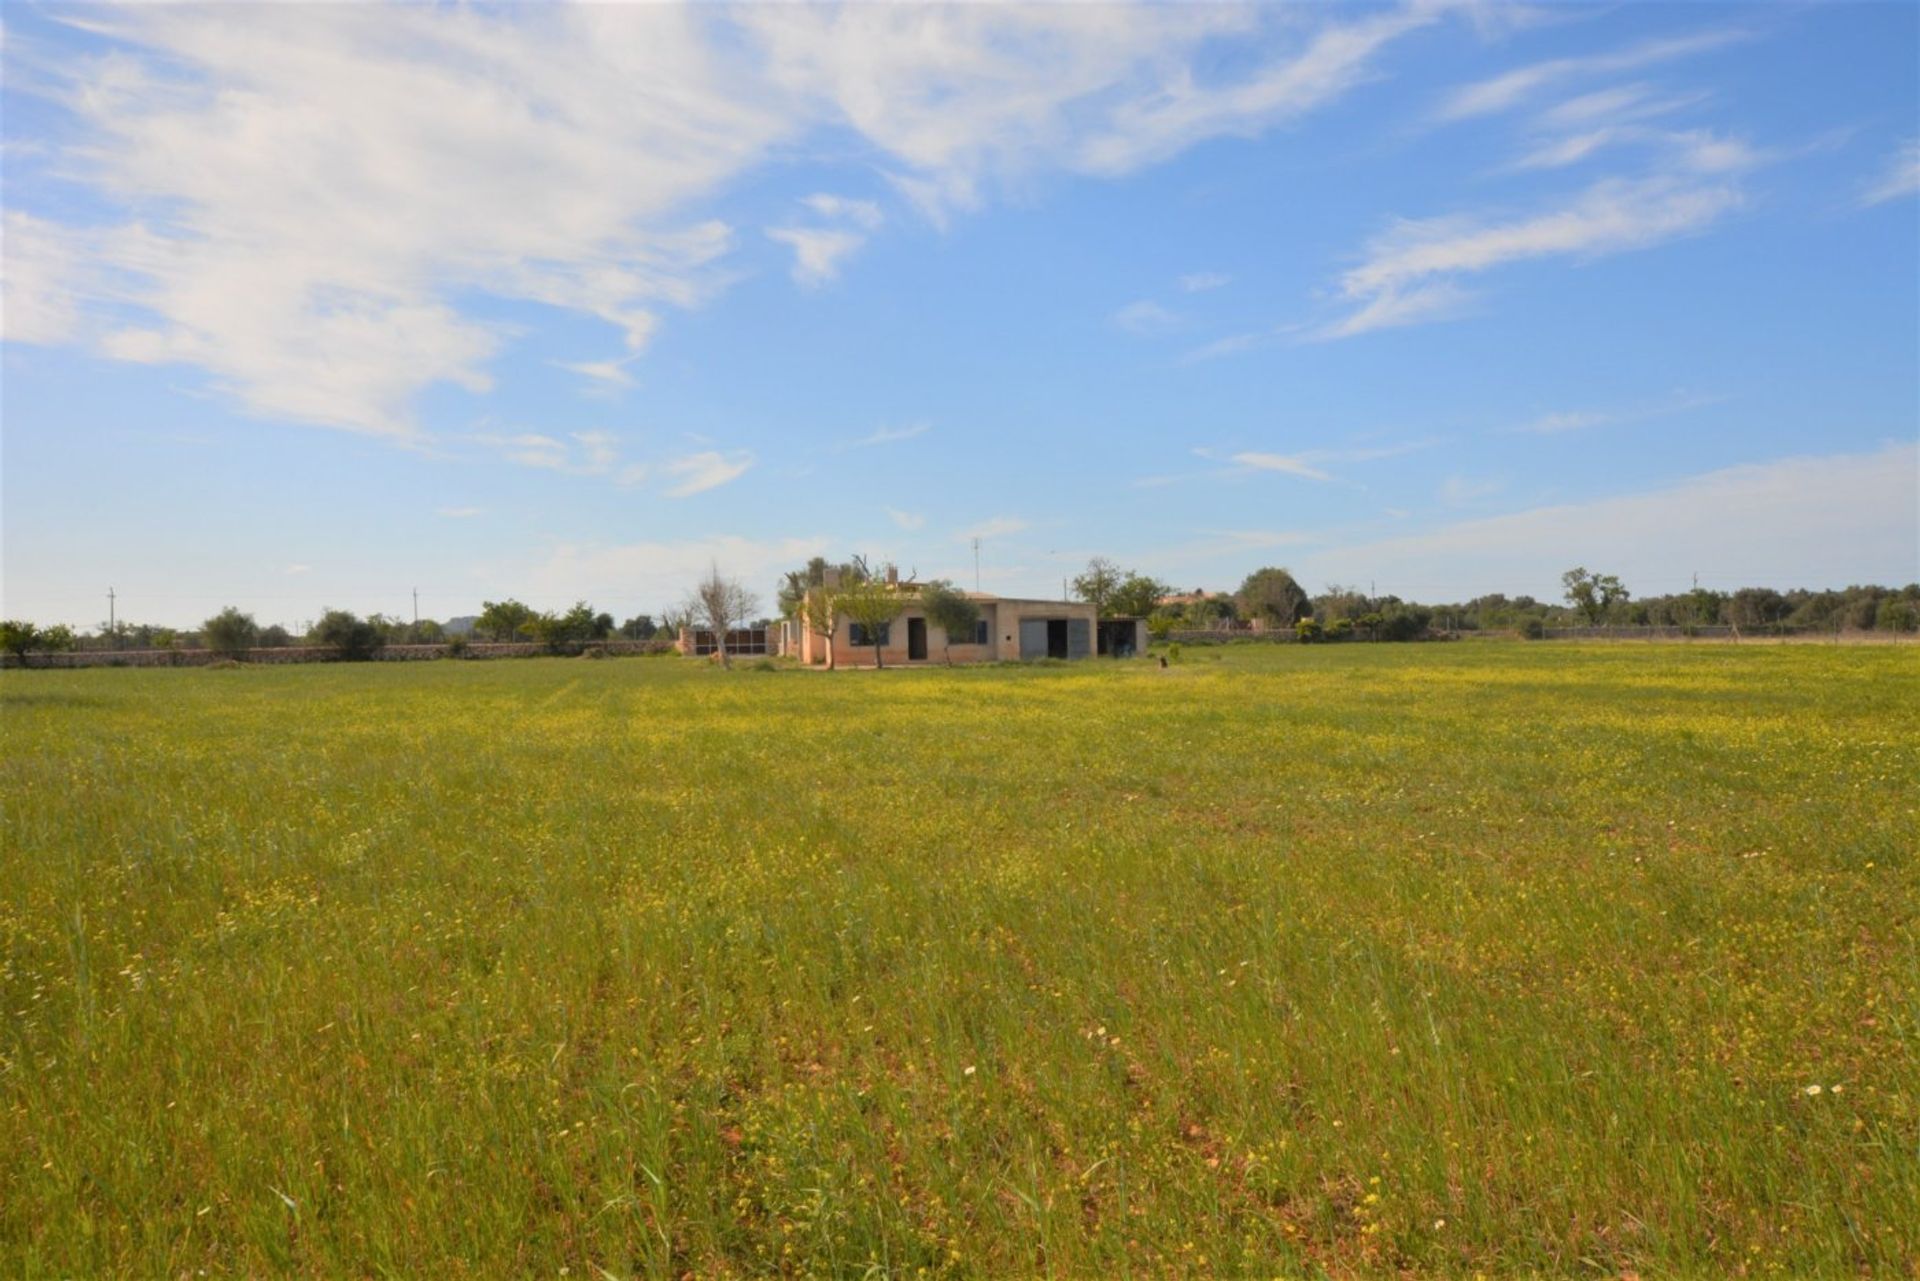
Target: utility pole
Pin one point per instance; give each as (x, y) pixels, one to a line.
(113, 628)
(416, 607)
(976, 562)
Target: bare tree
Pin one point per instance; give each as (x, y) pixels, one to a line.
(720, 604)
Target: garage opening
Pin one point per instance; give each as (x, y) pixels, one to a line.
(917, 639)
(1056, 638)
(1119, 637)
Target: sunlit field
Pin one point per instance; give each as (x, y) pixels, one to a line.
(1441, 959)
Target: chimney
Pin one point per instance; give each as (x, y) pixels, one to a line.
(893, 575)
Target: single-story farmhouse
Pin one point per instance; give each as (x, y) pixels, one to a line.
(1008, 629)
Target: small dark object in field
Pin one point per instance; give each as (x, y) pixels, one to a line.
(1163, 660)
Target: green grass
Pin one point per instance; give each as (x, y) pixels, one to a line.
(1443, 959)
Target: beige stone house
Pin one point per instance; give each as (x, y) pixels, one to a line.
(1009, 629)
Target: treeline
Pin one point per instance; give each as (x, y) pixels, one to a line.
(1272, 599)
(232, 632)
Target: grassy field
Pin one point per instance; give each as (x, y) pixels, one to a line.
(1439, 959)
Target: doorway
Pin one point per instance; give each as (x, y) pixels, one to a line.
(916, 639)
(1056, 638)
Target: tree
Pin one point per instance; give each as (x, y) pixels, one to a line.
(810, 596)
(1338, 602)
(1272, 594)
(273, 636)
(1098, 584)
(18, 637)
(871, 604)
(639, 628)
(720, 604)
(349, 636)
(559, 632)
(819, 612)
(1137, 596)
(503, 620)
(950, 610)
(230, 633)
(55, 639)
(1592, 594)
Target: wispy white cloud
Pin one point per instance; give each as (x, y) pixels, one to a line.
(709, 469)
(609, 374)
(1201, 281)
(905, 520)
(817, 251)
(1408, 274)
(890, 436)
(962, 98)
(294, 571)
(459, 513)
(995, 527)
(1307, 464)
(861, 213)
(580, 453)
(1399, 305)
(1900, 177)
(1510, 88)
(1146, 318)
(1290, 464)
(1560, 422)
(315, 185)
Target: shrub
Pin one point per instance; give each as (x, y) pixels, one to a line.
(230, 633)
(1173, 652)
(1533, 629)
(350, 637)
(456, 647)
(1340, 629)
(1306, 630)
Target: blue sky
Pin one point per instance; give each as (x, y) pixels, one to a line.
(312, 306)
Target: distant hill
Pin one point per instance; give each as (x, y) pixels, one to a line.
(462, 626)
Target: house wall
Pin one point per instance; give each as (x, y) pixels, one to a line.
(1003, 635)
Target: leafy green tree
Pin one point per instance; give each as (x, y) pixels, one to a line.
(230, 633)
(950, 610)
(349, 636)
(1593, 595)
(561, 632)
(1272, 594)
(639, 628)
(19, 637)
(503, 620)
(274, 636)
(871, 603)
(1137, 596)
(1306, 629)
(1098, 583)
